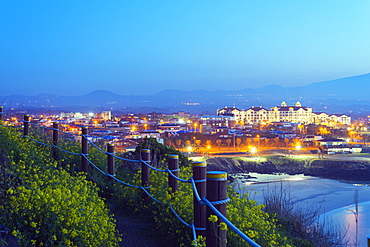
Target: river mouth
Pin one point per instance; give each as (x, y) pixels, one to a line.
(335, 199)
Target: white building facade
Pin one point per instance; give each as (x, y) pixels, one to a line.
(284, 113)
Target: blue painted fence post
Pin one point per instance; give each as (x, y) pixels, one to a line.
(199, 176)
(145, 172)
(26, 124)
(55, 140)
(1, 113)
(110, 151)
(173, 166)
(216, 192)
(84, 149)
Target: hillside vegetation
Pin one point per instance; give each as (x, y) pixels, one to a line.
(50, 203)
(44, 205)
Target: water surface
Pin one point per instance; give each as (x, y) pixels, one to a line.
(334, 200)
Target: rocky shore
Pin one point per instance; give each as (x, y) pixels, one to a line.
(333, 169)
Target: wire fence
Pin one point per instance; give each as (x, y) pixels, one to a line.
(201, 201)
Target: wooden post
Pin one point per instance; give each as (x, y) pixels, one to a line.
(368, 241)
(199, 176)
(173, 166)
(55, 140)
(84, 149)
(1, 113)
(26, 124)
(145, 171)
(216, 191)
(110, 150)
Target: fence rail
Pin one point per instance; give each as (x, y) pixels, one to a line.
(209, 188)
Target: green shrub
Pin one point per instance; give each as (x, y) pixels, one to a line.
(48, 206)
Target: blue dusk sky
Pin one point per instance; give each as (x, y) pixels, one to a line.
(144, 47)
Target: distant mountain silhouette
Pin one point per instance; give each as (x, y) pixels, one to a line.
(336, 95)
(102, 94)
(355, 87)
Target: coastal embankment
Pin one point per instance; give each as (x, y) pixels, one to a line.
(325, 168)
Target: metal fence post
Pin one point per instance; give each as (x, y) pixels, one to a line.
(216, 192)
(199, 176)
(145, 171)
(55, 140)
(84, 149)
(110, 150)
(173, 166)
(26, 124)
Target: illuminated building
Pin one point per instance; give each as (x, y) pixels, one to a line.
(283, 113)
(218, 121)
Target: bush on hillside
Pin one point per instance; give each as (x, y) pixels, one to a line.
(47, 206)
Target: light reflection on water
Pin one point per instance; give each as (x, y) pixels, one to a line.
(346, 216)
(334, 199)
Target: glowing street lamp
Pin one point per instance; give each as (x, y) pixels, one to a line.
(253, 150)
(190, 149)
(298, 146)
(195, 127)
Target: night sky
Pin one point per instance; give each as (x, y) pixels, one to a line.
(144, 47)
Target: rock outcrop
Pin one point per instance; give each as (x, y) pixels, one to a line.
(333, 169)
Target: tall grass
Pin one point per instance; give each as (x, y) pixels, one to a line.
(303, 223)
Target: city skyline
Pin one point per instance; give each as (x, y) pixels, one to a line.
(74, 48)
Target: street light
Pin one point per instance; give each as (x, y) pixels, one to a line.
(195, 127)
(298, 147)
